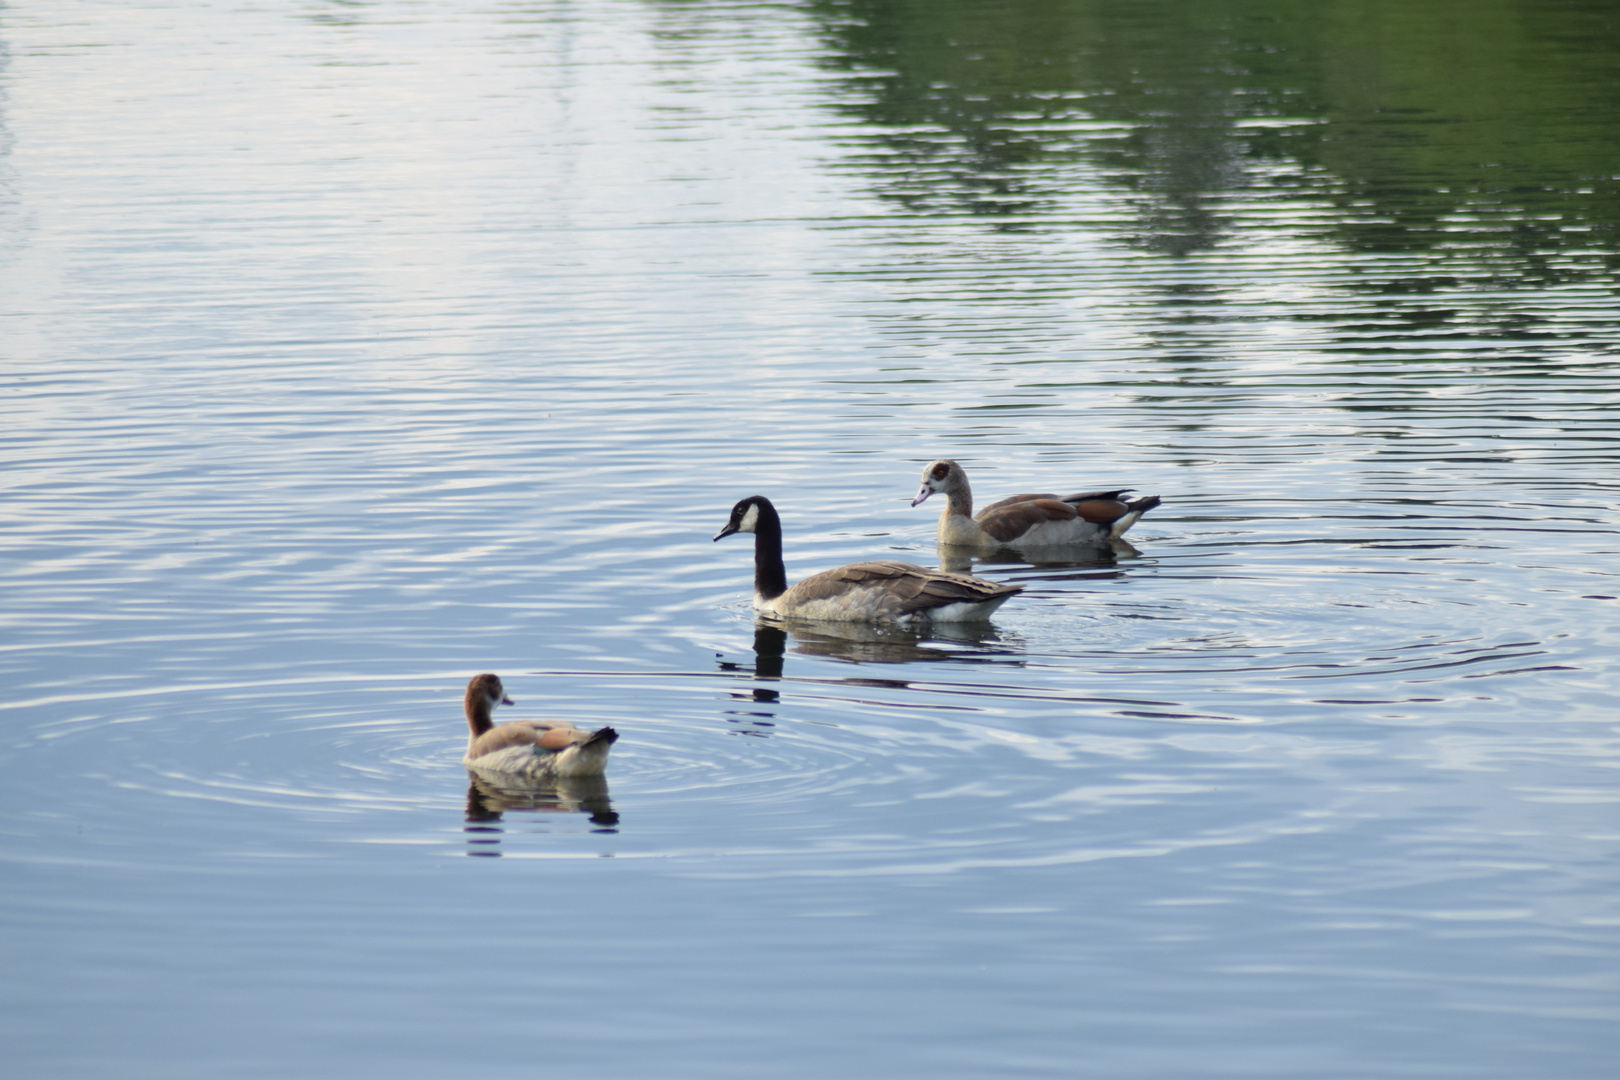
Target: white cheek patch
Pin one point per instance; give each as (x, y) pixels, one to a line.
(750, 520)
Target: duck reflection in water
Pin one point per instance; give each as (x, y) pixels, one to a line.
(489, 798)
(1079, 557)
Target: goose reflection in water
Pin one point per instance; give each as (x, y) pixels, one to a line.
(488, 799)
(770, 645)
(857, 643)
(875, 644)
(961, 560)
(866, 643)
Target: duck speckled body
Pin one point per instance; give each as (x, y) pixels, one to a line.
(1026, 521)
(882, 591)
(536, 749)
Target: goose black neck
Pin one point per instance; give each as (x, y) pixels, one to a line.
(770, 576)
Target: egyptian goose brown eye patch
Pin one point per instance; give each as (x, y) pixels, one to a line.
(940, 471)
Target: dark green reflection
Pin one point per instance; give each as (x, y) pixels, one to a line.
(1489, 125)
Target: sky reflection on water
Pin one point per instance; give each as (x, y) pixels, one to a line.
(356, 348)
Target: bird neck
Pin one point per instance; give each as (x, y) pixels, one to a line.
(478, 714)
(770, 576)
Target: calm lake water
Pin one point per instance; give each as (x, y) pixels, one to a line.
(351, 349)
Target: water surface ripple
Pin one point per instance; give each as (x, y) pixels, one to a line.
(354, 349)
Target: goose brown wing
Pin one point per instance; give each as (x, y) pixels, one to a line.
(1087, 496)
(1077, 497)
(912, 589)
(1107, 507)
(1101, 507)
(507, 735)
(1011, 499)
(563, 735)
(890, 577)
(1012, 521)
(941, 589)
(553, 735)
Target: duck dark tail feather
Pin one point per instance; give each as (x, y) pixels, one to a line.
(606, 735)
(1142, 506)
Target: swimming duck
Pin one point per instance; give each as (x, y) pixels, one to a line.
(880, 591)
(537, 749)
(1027, 521)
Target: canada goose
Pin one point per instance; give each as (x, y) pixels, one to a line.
(860, 592)
(1027, 521)
(537, 749)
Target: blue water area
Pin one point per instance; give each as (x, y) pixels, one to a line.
(354, 349)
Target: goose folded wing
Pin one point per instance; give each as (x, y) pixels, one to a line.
(918, 589)
(1077, 497)
(544, 734)
(507, 735)
(1011, 522)
(1101, 511)
(940, 590)
(1014, 499)
(905, 587)
(1111, 495)
(562, 737)
(899, 578)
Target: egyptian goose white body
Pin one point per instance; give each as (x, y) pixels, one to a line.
(881, 591)
(536, 749)
(1027, 521)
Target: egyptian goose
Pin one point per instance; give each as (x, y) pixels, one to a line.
(860, 592)
(1028, 521)
(537, 749)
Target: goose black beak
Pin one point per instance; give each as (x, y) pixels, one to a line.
(727, 531)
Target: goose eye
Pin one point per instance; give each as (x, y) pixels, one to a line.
(940, 471)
